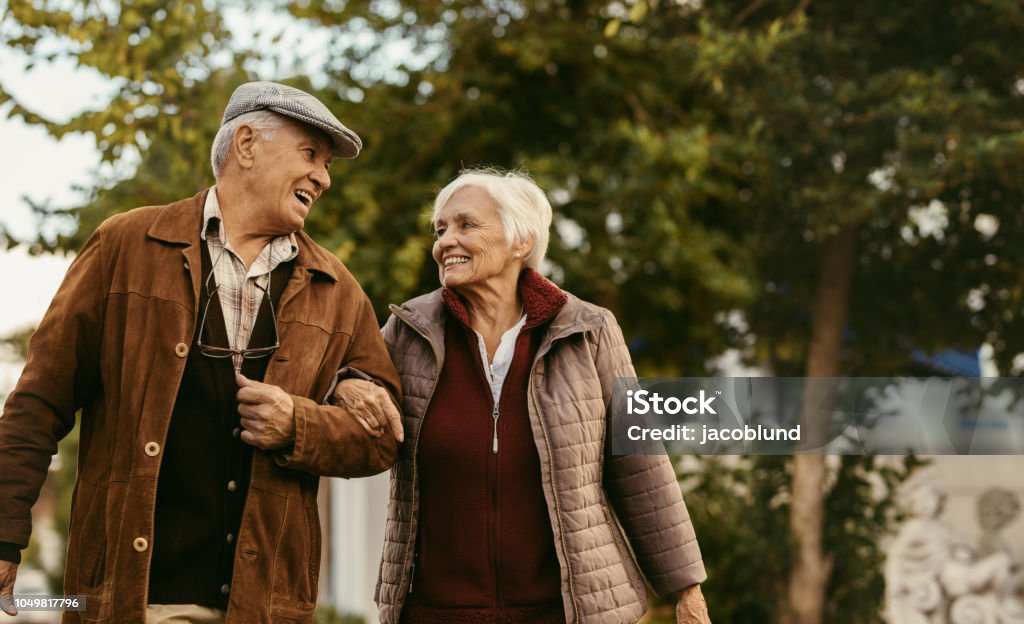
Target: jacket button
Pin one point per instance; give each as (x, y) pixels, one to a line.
(225, 589)
(152, 449)
(230, 538)
(232, 486)
(140, 544)
(236, 432)
(181, 349)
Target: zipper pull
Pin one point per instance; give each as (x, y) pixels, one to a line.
(412, 572)
(494, 443)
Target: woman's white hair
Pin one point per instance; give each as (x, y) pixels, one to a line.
(523, 207)
(263, 121)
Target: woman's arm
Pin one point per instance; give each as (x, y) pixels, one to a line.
(645, 495)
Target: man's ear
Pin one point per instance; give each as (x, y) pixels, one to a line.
(243, 144)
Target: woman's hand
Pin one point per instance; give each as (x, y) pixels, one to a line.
(691, 608)
(370, 405)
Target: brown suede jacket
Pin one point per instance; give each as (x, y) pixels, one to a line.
(114, 344)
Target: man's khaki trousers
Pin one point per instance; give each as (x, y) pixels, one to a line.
(183, 614)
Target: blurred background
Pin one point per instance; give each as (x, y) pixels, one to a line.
(753, 187)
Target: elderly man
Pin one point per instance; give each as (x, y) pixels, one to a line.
(199, 339)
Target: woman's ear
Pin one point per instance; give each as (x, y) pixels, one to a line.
(522, 250)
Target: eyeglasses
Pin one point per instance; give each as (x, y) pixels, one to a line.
(226, 352)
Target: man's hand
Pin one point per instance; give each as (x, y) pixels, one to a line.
(8, 572)
(691, 608)
(268, 414)
(370, 405)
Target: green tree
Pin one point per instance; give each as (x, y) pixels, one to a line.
(169, 64)
(885, 134)
(636, 237)
(18, 341)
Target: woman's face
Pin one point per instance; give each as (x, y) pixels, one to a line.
(470, 246)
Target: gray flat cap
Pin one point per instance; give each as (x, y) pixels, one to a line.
(297, 104)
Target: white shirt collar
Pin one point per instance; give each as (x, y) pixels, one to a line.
(497, 369)
(211, 211)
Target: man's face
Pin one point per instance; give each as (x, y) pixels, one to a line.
(289, 173)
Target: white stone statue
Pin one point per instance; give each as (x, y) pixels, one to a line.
(934, 576)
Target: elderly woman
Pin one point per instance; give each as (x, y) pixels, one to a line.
(505, 503)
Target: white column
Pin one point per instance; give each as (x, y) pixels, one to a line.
(358, 513)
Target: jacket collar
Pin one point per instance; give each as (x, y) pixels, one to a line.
(541, 299)
(575, 317)
(179, 224)
(427, 313)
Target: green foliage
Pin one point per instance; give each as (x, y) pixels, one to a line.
(168, 95)
(18, 341)
(698, 156)
(872, 115)
(739, 508)
(154, 51)
(327, 614)
(504, 84)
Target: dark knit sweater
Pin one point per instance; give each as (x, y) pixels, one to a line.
(486, 551)
(205, 470)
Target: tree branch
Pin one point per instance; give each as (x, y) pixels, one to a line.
(800, 9)
(747, 11)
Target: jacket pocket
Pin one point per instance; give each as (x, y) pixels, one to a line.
(91, 537)
(306, 350)
(297, 560)
(626, 557)
(313, 526)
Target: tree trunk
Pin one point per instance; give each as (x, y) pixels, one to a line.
(809, 577)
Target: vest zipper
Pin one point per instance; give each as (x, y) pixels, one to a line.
(494, 443)
(495, 529)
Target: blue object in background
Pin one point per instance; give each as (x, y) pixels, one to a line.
(949, 363)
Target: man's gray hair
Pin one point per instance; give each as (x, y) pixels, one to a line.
(263, 121)
(523, 207)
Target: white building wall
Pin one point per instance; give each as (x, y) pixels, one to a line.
(358, 510)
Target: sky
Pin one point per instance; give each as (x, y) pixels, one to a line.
(45, 170)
